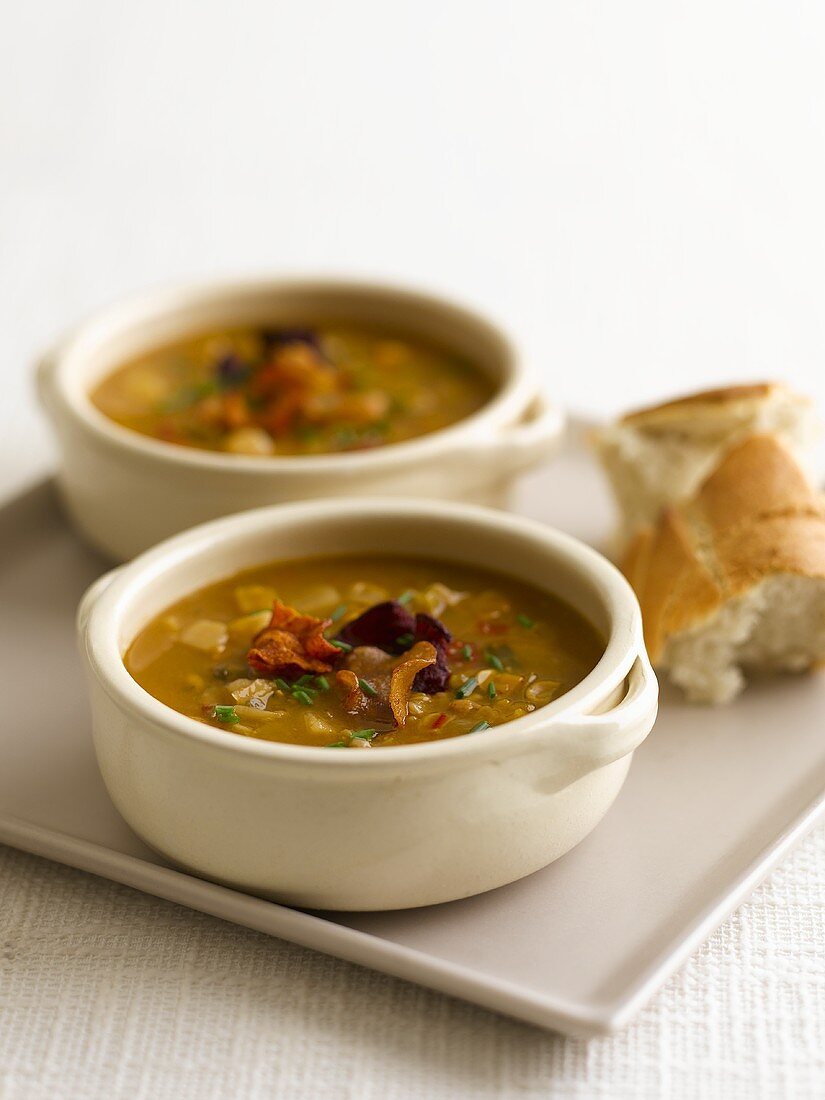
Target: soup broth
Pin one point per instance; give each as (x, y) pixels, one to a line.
(292, 392)
(363, 651)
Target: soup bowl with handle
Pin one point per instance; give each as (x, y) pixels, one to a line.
(125, 491)
(393, 827)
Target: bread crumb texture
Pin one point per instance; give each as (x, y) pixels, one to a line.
(733, 580)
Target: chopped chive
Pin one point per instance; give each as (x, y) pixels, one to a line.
(345, 647)
(302, 697)
(479, 726)
(346, 437)
(225, 714)
(322, 682)
(306, 432)
(304, 680)
(337, 745)
(491, 690)
(467, 688)
(365, 735)
(367, 688)
(339, 612)
(494, 660)
(405, 639)
(188, 395)
(525, 621)
(467, 652)
(282, 684)
(405, 597)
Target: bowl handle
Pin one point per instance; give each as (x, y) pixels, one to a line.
(92, 595)
(587, 742)
(536, 436)
(44, 377)
(609, 736)
(600, 739)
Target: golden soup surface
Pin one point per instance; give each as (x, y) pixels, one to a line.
(512, 648)
(291, 392)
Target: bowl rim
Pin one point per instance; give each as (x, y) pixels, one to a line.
(511, 398)
(101, 612)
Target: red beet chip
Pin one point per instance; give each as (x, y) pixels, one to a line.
(435, 677)
(382, 626)
(428, 629)
(273, 337)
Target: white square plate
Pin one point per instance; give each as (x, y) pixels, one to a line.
(713, 799)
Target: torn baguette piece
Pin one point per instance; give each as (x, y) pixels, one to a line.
(733, 580)
(659, 455)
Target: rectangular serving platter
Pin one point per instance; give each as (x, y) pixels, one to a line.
(713, 800)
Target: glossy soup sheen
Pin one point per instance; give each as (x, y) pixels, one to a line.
(514, 648)
(292, 392)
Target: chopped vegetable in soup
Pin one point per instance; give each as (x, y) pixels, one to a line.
(362, 651)
(292, 391)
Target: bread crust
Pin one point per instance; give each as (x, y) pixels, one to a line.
(756, 477)
(699, 404)
(755, 516)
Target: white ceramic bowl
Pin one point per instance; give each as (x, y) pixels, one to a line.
(392, 827)
(126, 491)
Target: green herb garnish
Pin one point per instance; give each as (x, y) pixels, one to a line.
(405, 597)
(225, 714)
(304, 680)
(491, 690)
(306, 432)
(345, 647)
(479, 726)
(367, 688)
(365, 735)
(525, 621)
(322, 682)
(467, 652)
(467, 688)
(346, 437)
(282, 684)
(339, 612)
(302, 697)
(405, 639)
(494, 660)
(188, 396)
(337, 745)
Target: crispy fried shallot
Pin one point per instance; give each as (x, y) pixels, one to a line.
(393, 628)
(390, 681)
(370, 665)
(292, 644)
(421, 656)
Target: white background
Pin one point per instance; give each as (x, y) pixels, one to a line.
(638, 189)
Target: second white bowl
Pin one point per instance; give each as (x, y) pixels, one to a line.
(126, 491)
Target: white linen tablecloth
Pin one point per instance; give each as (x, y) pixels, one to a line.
(107, 992)
(637, 189)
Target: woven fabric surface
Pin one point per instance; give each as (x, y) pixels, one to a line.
(105, 992)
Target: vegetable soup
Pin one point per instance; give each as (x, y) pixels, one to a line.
(292, 391)
(359, 651)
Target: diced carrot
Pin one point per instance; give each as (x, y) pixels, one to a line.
(235, 410)
(490, 626)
